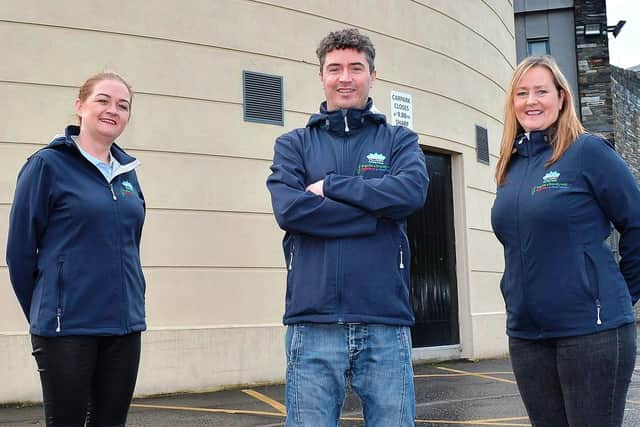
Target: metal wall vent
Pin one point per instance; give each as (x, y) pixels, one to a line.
(262, 96)
(482, 145)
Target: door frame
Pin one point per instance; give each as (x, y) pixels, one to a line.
(465, 348)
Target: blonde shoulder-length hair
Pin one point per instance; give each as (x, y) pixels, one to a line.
(567, 127)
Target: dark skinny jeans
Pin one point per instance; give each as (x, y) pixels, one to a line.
(87, 378)
(577, 381)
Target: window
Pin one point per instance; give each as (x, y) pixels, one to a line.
(538, 47)
(592, 30)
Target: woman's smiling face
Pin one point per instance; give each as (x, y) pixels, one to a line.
(537, 102)
(105, 112)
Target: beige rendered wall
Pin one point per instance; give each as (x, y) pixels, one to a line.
(211, 248)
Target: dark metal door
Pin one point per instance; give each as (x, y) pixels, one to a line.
(434, 291)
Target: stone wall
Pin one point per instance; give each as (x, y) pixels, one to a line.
(594, 74)
(625, 89)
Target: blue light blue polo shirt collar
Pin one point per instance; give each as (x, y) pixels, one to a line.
(106, 169)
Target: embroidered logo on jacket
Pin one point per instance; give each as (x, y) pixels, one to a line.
(375, 162)
(551, 176)
(127, 188)
(550, 182)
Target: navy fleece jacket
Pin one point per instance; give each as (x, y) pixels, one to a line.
(560, 276)
(347, 253)
(74, 243)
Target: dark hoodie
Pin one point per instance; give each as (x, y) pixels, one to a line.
(560, 276)
(347, 254)
(74, 243)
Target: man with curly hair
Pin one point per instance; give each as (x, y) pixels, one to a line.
(342, 188)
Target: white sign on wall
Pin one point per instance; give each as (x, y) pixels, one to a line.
(401, 109)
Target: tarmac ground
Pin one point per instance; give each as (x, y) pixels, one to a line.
(453, 393)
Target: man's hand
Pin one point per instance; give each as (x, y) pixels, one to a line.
(316, 188)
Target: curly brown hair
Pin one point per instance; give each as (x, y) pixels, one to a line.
(349, 38)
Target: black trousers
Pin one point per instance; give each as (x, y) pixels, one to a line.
(87, 378)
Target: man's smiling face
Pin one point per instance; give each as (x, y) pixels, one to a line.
(346, 79)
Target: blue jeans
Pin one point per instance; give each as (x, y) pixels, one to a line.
(575, 381)
(323, 359)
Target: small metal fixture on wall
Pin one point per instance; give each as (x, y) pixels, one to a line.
(599, 29)
(262, 98)
(482, 145)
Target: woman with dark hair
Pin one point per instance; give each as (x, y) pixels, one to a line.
(74, 260)
(570, 320)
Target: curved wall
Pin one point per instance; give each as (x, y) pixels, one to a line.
(211, 248)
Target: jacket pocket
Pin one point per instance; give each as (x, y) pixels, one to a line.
(394, 249)
(404, 262)
(311, 276)
(289, 250)
(59, 294)
(137, 290)
(590, 275)
(292, 251)
(377, 274)
(591, 282)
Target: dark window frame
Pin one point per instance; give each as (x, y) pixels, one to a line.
(537, 42)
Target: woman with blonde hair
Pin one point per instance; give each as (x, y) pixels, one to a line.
(74, 259)
(570, 320)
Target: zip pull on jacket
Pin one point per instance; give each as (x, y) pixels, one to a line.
(346, 122)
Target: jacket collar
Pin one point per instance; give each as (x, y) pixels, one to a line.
(531, 144)
(71, 131)
(346, 120)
